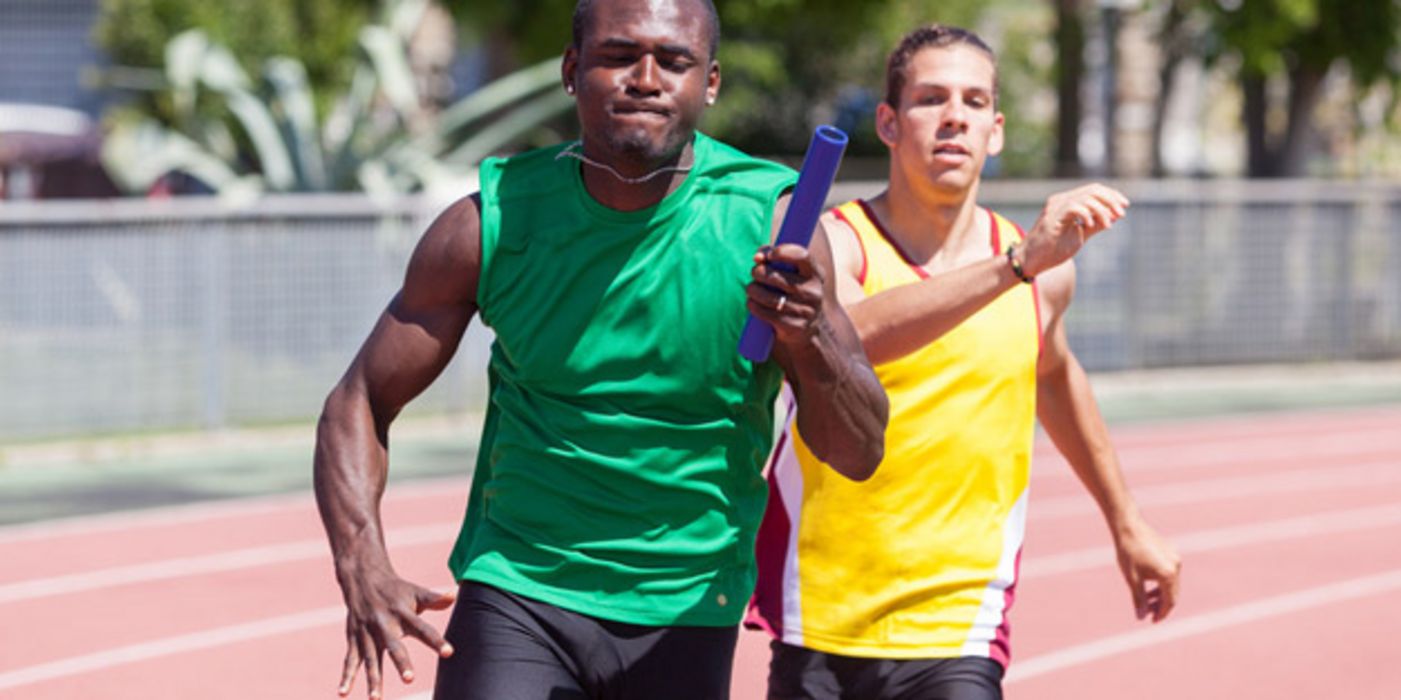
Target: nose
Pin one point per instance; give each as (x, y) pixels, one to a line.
(645, 78)
(955, 116)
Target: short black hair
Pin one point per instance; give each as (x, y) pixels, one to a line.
(583, 13)
(930, 36)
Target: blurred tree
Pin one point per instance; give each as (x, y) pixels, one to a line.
(1293, 44)
(792, 64)
(318, 33)
(1070, 72)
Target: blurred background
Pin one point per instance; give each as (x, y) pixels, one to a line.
(205, 205)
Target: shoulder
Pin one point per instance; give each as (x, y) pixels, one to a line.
(523, 174)
(447, 261)
(848, 255)
(722, 162)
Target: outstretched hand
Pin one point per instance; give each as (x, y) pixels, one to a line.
(382, 609)
(786, 292)
(1151, 567)
(1069, 219)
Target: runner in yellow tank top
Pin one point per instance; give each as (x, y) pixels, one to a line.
(899, 586)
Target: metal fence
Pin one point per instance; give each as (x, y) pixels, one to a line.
(135, 315)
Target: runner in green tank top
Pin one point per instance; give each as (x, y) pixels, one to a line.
(608, 544)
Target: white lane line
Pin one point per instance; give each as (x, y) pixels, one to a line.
(211, 510)
(169, 646)
(1049, 565)
(1224, 538)
(1204, 623)
(1284, 448)
(207, 564)
(1072, 561)
(1322, 478)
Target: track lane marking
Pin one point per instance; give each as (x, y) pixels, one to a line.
(1044, 566)
(1204, 623)
(1240, 453)
(1381, 472)
(1312, 525)
(169, 646)
(186, 513)
(207, 564)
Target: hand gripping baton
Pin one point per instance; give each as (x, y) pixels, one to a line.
(809, 196)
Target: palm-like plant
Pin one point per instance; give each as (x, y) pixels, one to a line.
(373, 138)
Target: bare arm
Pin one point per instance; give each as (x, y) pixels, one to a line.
(410, 345)
(1068, 412)
(842, 408)
(899, 321)
(904, 319)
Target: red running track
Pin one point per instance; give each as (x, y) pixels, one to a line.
(1289, 526)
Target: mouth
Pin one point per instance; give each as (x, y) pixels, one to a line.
(951, 149)
(641, 110)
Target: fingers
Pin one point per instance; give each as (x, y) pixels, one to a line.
(793, 257)
(419, 629)
(1140, 595)
(352, 667)
(425, 599)
(400, 656)
(374, 662)
(1094, 208)
(788, 272)
(1167, 593)
(377, 633)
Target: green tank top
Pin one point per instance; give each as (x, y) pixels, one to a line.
(619, 468)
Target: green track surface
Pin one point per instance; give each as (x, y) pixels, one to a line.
(81, 478)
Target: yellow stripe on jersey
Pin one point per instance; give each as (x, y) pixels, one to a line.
(920, 560)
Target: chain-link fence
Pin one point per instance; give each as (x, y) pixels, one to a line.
(137, 316)
(134, 315)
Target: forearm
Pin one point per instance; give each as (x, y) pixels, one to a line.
(1068, 413)
(842, 409)
(904, 319)
(349, 473)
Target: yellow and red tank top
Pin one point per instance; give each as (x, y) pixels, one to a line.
(921, 560)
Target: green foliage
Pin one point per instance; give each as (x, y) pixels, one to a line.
(317, 33)
(1271, 36)
(240, 136)
(791, 64)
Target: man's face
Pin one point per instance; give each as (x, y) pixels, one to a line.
(642, 75)
(947, 124)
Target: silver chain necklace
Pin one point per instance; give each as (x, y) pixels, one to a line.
(569, 152)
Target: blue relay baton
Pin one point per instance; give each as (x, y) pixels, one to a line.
(809, 196)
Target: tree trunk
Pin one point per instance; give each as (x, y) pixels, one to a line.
(1260, 158)
(1305, 86)
(1174, 50)
(1070, 64)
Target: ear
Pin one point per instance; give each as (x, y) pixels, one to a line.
(995, 139)
(712, 83)
(887, 124)
(569, 69)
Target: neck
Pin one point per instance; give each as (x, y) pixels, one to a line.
(629, 185)
(930, 225)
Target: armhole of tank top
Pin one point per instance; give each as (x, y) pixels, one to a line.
(488, 218)
(860, 244)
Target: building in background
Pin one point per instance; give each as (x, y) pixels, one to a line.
(49, 138)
